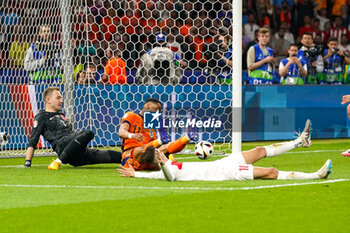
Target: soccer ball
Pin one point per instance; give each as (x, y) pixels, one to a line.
(204, 150)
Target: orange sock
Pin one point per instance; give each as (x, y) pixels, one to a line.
(156, 143)
(178, 145)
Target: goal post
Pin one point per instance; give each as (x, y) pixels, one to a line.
(186, 75)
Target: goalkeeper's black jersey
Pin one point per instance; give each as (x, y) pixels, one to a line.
(53, 127)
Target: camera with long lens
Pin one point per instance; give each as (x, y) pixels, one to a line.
(313, 52)
(210, 51)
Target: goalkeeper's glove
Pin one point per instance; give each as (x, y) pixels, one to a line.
(28, 163)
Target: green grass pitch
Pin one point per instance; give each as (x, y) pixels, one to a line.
(96, 199)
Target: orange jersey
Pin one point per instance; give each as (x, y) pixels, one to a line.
(116, 70)
(136, 126)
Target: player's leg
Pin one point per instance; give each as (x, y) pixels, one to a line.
(76, 146)
(272, 173)
(93, 156)
(258, 153)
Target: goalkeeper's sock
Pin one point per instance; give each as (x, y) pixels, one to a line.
(178, 145)
(280, 148)
(282, 175)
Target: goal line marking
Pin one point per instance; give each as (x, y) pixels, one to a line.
(174, 188)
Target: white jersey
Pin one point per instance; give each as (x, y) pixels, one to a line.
(232, 167)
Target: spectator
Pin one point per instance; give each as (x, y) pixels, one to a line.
(327, 31)
(115, 71)
(173, 45)
(292, 70)
(18, 49)
(322, 16)
(309, 54)
(43, 59)
(197, 47)
(284, 15)
(251, 26)
(317, 30)
(337, 4)
(88, 76)
(260, 59)
(160, 65)
(344, 45)
(338, 29)
(280, 45)
(264, 19)
(307, 26)
(225, 62)
(344, 16)
(109, 24)
(287, 34)
(334, 63)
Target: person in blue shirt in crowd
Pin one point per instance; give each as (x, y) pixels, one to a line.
(292, 70)
(334, 63)
(225, 62)
(43, 59)
(260, 60)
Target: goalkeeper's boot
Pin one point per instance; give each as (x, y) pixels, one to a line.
(346, 153)
(54, 165)
(192, 130)
(305, 136)
(325, 170)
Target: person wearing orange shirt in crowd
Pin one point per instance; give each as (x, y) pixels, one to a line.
(138, 141)
(198, 44)
(115, 70)
(109, 24)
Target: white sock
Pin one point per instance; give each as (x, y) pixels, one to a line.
(58, 160)
(280, 148)
(282, 175)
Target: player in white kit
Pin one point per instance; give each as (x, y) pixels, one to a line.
(237, 166)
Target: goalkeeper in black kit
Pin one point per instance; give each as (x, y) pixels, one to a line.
(70, 146)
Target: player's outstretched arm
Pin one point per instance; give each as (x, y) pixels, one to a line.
(29, 156)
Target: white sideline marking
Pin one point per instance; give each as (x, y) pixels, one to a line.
(172, 188)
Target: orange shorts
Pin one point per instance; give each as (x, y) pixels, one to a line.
(128, 158)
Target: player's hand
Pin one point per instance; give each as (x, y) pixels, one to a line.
(346, 99)
(138, 137)
(161, 157)
(28, 163)
(126, 172)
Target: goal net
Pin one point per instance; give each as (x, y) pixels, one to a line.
(108, 57)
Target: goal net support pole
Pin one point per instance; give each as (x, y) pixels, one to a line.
(237, 76)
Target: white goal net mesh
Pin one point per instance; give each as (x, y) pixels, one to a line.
(108, 57)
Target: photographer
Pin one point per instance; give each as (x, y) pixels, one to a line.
(219, 59)
(43, 59)
(292, 70)
(260, 60)
(334, 63)
(312, 56)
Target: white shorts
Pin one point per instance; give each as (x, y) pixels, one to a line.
(234, 167)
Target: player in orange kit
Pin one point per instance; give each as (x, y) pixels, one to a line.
(137, 140)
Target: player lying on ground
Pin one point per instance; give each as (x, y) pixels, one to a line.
(136, 139)
(237, 166)
(70, 146)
